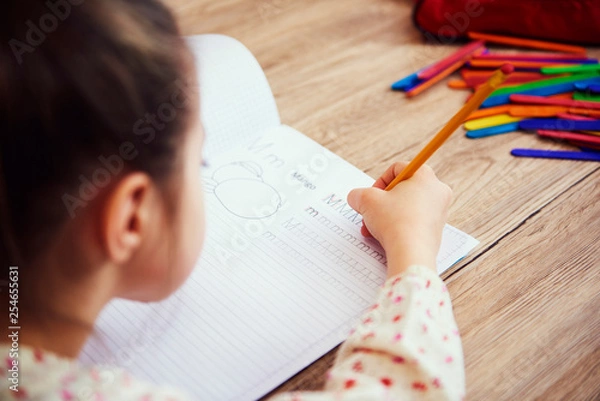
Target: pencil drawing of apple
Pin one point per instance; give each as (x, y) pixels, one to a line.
(241, 189)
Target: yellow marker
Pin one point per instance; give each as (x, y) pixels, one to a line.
(491, 121)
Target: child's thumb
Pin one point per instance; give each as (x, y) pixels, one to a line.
(360, 199)
(355, 199)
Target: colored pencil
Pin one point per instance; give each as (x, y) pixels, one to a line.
(557, 154)
(541, 88)
(528, 43)
(543, 91)
(547, 111)
(559, 124)
(588, 97)
(490, 111)
(474, 81)
(566, 95)
(424, 85)
(531, 57)
(551, 67)
(408, 81)
(584, 112)
(527, 99)
(583, 78)
(455, 122)
(568, 116)
(437, 68)
(570, 136)
(535, 110)
(486, 74)
(589, 88)
(586, 147)
(458, 84)
(491, 131)
(571, 69)
(491, 121)
(428, 83)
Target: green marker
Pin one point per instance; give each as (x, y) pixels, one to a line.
(571, 69)
(545, 82)
(588, 97)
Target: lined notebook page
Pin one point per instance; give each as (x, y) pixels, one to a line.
(284, 275)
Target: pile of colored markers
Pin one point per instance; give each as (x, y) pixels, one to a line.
(555, 94)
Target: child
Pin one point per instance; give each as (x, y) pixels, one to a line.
(100, 145)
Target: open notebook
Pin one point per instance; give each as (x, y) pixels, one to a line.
(284, 274)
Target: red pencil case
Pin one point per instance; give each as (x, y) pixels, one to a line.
(446, 21)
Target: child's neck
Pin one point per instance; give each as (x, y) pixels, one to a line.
(59, 304)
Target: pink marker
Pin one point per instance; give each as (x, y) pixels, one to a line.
(442, 65)
(528, 99)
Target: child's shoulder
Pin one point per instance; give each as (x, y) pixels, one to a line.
(35, 374)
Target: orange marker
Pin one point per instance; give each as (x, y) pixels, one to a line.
(549, 111)
(536, 111)
(516, 64)
(458, 84)
(474, 81)
(584, 112)
(468, 73)
(528, 43)
(568, 95)
(487, 112)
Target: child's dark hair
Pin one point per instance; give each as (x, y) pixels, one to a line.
(88, 89)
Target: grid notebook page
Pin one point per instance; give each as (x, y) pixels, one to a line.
(236, 102)
(284, 275)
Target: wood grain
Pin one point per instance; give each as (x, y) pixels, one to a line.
(330, 64)
(528, 308)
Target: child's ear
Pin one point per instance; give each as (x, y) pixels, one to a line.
(126, 216)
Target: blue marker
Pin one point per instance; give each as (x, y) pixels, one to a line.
(407, 83)
(559, 124)
(557, 154)
(589, 88)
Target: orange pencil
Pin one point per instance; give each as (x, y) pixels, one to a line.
(568, 95)
(536, 111)
(458, 84)
(513, 79)
(441, 75)
(549, 111)
(438, 140)
(477, 77)
(529, 43)
(584, 112)
(487, 112)
(468, 73)
(437, 78)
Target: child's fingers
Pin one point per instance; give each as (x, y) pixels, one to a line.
(389, 175)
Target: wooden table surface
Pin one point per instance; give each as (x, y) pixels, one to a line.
(527, 299)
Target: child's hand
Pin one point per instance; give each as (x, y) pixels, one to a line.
(408, 220)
